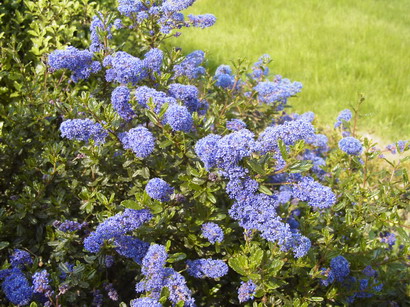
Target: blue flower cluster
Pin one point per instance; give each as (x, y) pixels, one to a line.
(235, 124)
(258, 211)
(140, 140)
(20, 258)
(120, 98)
(191, 67)
(112, 293)
(83, 130)
(246, 291)
(116, 227)
(41, 284)
(145, 302)
(260, 68)
(157, 276)
(202, 21)
(344, 116)
(179, 118)
(159, 189)
(79, 62)
(351, 146)
(124, 68)
(189, 96)
(289, 132)
(277, 91)
(144, 95)
(201, 268)
(16, 287)
(212, 232)
(131, 247)
(314, 193)
(224, 77)
(69, 226)
(99, 24)
(388, 237)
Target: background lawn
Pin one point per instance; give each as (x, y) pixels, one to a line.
(338, 49)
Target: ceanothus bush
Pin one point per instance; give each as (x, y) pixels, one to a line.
(170, 184)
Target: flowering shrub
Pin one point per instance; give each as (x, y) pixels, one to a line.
(167, 184)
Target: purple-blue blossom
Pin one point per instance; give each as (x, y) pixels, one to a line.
(83, 130)
(314, 193)
(144, 95)
(179, 118)
(351, 146)
(41, 283)
(120, 98)
(212, 232)
(340, 267)
(153, 60)
(202, 21)
(124, 68)
(131, 247)
(116, 226)
(246, 291)
(79, 62)
(277, 91)
(159, 189)
(201, 268)
(235, 124)
(99, 24)
(190, 66)
(140, 140)
(188, 94)
(129, 7)
(344, 116)
(205, 149)
(145, 302)
(20, 258)
(17, 288)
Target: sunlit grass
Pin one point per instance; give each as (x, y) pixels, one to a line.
(338, 49)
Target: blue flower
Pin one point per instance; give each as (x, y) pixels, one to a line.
(314, 193)
(140, 140)
(16, 288)
(153, 60)
(124, 68)
(235, 124)
(99, 24)
(202, 21)
(20, 258)
(179, 118)
(116, 226)
(68, 226)
(202, 268)
(246, 291)
(144, 95)
(188, 94)
(120, 97)
(278, 91)
(212, 232)
(344, 116)
(41, 281)
(176, 6)
(131, 247)
(351, 146)
(205, 149)
(128, 7)
(159, 189)
(78, 61)
(340, 268)
(190, 66)
(145, 302)
(83, 130)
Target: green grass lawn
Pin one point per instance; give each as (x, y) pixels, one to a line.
(338, 49)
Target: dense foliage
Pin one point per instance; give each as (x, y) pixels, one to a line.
(133, 175)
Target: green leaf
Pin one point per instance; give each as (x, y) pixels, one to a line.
(4, 244)
(265, 190)
(239, 264)
(176, 257)
(131, 204)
